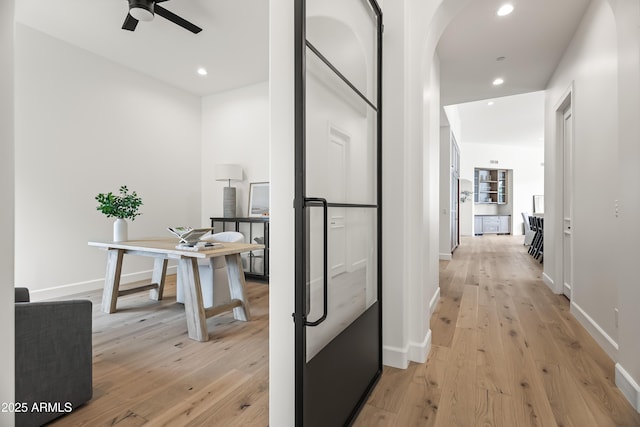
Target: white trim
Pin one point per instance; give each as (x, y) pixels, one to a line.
(603, 339)
(359, 264)
(628, 387)
(446, 257)
(549, 282)
(566, 290)
(400, 357)
(434, 301)
(418, 352)
(91, 285)
(395, 357)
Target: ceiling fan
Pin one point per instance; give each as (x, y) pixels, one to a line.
(144, 10)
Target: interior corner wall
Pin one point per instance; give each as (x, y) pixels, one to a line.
(235, 129)
(86, 125)
(7, 211)
(627, 14)
(590, 65)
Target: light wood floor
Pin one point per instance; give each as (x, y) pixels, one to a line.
(146, 371)
(505, 352)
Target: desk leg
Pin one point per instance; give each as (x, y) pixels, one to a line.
(112, 280)
(193, 305)
(235, 274)
(159, 274)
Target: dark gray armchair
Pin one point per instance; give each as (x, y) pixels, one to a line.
(53, 357)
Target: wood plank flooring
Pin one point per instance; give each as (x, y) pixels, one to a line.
(146, 371)
(505, 352)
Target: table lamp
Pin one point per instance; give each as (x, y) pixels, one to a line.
(229, 172)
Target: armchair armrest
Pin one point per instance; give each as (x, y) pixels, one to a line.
(22, 295)
(53, 357)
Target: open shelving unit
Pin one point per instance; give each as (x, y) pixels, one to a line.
(490, 186)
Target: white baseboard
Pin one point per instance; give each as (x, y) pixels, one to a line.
(90, 285)
(445, 257)
(628, 387)
(395, 357)
(607, 343)
(434, 301)
(418, 352)
(414, 352)
(549, 282)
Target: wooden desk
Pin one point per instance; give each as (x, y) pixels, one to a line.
(163, 250)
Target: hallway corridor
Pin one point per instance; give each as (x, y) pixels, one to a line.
(505, 352)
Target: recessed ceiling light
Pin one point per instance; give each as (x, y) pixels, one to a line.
(505, 9)
(498, 81)
(490, 103)
(202, 71)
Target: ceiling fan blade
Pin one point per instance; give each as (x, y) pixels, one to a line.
(159, 10)
(130, 23)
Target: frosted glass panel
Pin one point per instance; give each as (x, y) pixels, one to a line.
(340, 139)
(352, 271)
(344, 31)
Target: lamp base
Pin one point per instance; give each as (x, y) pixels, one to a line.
(229, 202)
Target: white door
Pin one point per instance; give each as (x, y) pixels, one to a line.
(337, 173)
(455, 197)
(567, 205)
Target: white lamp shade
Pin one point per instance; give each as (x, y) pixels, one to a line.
(228, 172)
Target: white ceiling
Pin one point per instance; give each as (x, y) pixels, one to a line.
(515, 119)
(532, 41)
(233, 45)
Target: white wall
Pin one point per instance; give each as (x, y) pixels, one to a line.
(410, 188)
(603, 64)
(7, 212)
(590, 63)
(445, 192)
(281, 244)
(235, 129)
(527, 178)
(86, 125)
(627, 15)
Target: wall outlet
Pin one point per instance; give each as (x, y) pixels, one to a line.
(616, 205)
(615, 314)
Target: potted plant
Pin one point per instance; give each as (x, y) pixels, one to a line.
(122, 207)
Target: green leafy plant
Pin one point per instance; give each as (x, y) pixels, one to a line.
(124, 206)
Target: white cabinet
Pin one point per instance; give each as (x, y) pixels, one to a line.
(492, 224)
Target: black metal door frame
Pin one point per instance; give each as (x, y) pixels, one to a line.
(302, 204)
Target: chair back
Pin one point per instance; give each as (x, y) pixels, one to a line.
(525, 219)
(228, 237)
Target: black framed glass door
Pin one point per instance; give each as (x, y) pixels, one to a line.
(338, 313)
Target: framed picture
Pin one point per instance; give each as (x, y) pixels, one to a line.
(259, 199)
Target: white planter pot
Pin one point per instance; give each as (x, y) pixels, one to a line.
(120, 233)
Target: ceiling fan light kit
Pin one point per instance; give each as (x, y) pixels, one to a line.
(142, 10)
(145, 10)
